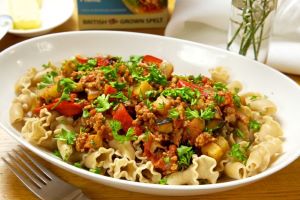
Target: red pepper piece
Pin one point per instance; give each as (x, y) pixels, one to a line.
(102, 61)
(81, 59)
(123, 116)
(151, 59)
(108, 89)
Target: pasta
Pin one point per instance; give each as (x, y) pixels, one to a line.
(135, 120)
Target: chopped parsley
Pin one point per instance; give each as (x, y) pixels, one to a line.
(57, 153)
(163, 181)
(47, 79)
(254, 125)
(101, 103)
(184, 156)
(173, 113)
(238, 153)
(110, 72)
(219, 98)
(115, 126)
(120, 96)
(167, 160)
(119, 86)
(77, 164)
(65, 86)
(208, 113)
(185, 93)
(156, 76)
(151, 94)
(85, 113)
(67, 136)
(236, 100)
(96, 170)
(88, 66)
(191, 114)
(220, 86)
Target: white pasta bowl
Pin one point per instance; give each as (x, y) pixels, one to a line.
(187, 57)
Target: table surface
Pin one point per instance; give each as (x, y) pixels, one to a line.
(284, 184)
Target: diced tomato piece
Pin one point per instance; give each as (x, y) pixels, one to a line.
(108, 89)
(138, 130)
(102, 61)
(152, 59)
(81, 59)
(123, 116)
(147, 147)
(182, 83)
(68, 108)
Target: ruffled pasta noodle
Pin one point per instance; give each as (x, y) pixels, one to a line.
(103, 157)
(147, 125)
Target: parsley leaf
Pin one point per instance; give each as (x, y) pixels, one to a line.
(184, 156)
(57, 153)
(120, 96)
(236, 100)
(88, 66)
(115, 126)
(238, 153)
(173, 113)
(254, 125)
(219, 99)
(191, 114)
(85, 113)
(67, 136)
(185, 93)
(110, 72)
(118, 85)
(96, 170)
(66, 86)
(77, 164)
(47, 79)
(156, 76)
(220, 86)
(101, 103)
(163, 181)
(207, 114)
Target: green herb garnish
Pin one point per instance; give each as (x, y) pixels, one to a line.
(120, 96)
(207, 114)
(236, 100)
(219, 99)
(116, 126)
(173, 113)
(254, 125)
(184, 156)
(67, 136)
(96, 170)
(156, 76)
(85, 113)
(238, 153)
(191, 114)
(163, 181)
(47, 79)
(119, 86)
(220, 86)
(110, 72)
(65, 86)
(102, 103)
(57, 153)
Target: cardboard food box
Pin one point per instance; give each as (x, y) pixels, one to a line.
(122, 14)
